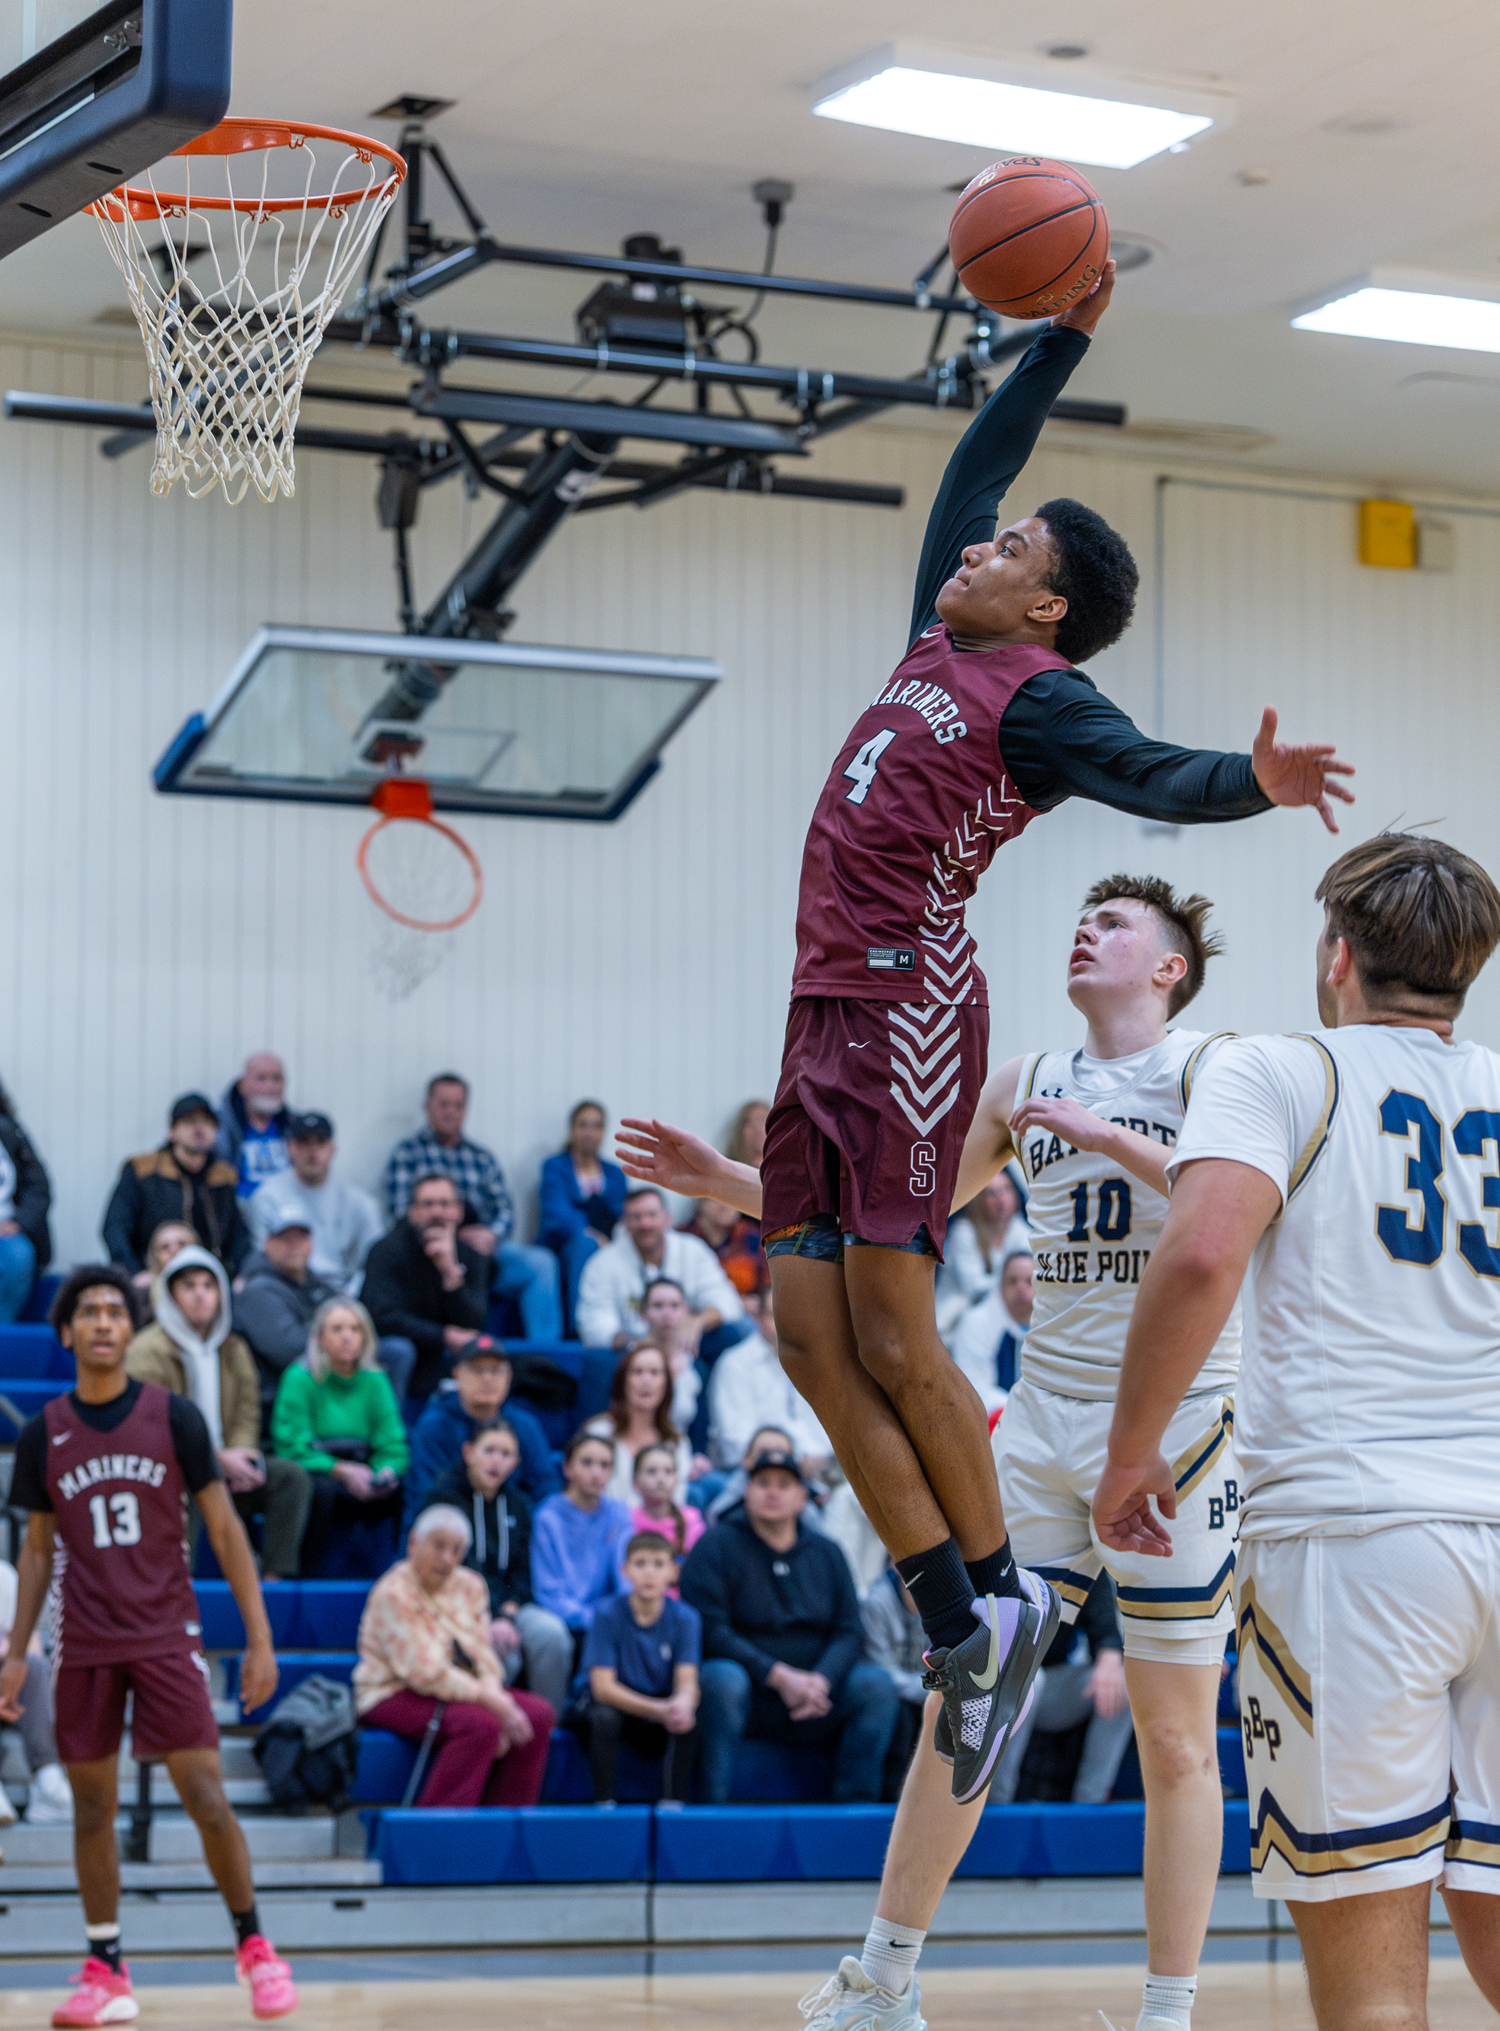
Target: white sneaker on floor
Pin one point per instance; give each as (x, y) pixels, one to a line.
(8, 1813)
(850, 2001)
(1146, 2023)
(50, 1802)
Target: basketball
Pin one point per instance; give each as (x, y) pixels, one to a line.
(1028, 237)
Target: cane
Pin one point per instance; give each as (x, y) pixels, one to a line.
(424, 1751)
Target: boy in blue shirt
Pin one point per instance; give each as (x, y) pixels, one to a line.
(642, 1656)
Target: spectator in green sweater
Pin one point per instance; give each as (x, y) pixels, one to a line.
(336, 1415)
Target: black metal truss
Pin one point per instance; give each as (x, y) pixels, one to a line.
(565, 449)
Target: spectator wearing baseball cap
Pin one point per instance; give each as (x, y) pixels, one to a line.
(344, 1222)
(182, 1180)
(475, 1393)
(783, 1647)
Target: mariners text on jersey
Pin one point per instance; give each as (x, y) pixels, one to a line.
(111, 1467)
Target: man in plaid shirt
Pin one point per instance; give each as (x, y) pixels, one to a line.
(529, 1275)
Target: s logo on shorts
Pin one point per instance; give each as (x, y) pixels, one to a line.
(923, 1170)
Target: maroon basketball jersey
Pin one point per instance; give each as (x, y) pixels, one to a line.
(913, 812)
(119, 1499)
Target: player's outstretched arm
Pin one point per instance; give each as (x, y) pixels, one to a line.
(1220, 1209)
(34, 1571)
(997, 444)
(1137, 1154)
(988, 1143)
(258, 1672)
(1299, 775)
(679, 1161)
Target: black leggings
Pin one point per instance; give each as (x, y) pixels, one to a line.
(604, 1728)
(334, 1509)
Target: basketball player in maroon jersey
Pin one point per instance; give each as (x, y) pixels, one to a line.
(985, 725)
(106, 1472)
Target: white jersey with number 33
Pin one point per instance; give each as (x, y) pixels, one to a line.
(1093, 1226)
(1371, 1387)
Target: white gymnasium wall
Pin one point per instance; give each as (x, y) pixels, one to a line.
(154, 941)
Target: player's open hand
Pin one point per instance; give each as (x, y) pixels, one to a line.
(1061, 1117)
(1299, 775)
(673, 1158)
(258, 1676)
(1122, 1510)
(1087, 311)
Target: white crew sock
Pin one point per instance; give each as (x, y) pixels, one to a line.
(1169, 1996)
(890, 1955)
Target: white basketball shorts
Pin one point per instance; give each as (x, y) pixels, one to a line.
(1050, 1452)
(1370, 1696)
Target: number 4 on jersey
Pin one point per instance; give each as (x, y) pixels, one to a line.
(865, 762)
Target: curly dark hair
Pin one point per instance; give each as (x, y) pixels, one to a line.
(90, 1277)
(1095, 573)
(1184, 918)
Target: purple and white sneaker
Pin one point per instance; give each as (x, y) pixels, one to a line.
(986, 1680)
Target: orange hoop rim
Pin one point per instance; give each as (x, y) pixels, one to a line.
(361, 861)
(244, 137)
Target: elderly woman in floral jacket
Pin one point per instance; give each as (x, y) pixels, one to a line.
(424, 1644)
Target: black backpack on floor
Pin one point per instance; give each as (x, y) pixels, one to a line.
(309, 1749)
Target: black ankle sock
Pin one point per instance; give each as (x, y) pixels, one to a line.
(995, 1575)
(246, 1924)
(938, 1583)
(107, 1950)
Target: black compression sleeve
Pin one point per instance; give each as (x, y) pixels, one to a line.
(28, 1480)
(192, 1444)
(1059, 738)
(989, 455)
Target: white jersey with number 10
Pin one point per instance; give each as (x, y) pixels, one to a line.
(1371, 1386)
(1093, 1225)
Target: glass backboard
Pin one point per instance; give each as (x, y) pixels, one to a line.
(324, 715)
(90, 96)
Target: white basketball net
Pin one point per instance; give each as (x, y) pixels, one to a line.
(233, 300)
(423, 875)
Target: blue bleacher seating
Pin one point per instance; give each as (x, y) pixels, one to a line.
(545, 1844)
(740, 1844)
(305, 1614)
(385, 1763)
(37, 1306)
(764, 1773)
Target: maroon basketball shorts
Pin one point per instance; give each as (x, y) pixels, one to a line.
(869, 1119)
(171, 1708)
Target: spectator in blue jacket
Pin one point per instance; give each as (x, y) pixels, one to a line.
(478, 1386)
(582, 1197)
(783, 1647)
(578, 1539)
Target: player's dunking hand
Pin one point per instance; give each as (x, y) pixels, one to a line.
(1299, 775)
(1087, 311)
(1122, 1510)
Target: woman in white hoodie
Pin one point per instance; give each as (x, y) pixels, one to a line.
(191, 1350)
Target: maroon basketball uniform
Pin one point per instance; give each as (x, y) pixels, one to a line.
(888, 1031)
(126, 1615)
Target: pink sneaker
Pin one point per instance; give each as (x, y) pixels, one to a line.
(273, 1993)
(100, 1996)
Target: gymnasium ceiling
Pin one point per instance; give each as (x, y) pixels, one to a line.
(1367, 134)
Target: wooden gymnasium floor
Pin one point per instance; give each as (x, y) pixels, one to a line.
(1232, 1997)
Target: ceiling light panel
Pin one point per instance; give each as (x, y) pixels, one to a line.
(1409, 317)
(1013, 106)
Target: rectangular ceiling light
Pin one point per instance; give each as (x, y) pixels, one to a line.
(1415, 317)
(1019, 119)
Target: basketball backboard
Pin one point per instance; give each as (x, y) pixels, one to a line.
(91, 95)
(325, 715)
